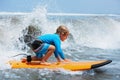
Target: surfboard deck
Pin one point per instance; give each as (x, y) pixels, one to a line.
(73, 66)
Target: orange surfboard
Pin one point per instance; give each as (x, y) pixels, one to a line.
(73, 66)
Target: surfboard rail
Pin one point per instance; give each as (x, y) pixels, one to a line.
(73, 66)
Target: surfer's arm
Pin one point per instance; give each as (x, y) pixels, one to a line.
(58, 51)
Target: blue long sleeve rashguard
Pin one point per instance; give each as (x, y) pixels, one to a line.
(53, 39)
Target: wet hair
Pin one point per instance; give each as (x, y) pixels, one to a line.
(62, 30)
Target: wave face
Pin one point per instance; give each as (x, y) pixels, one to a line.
(99, 31)
(94, 31)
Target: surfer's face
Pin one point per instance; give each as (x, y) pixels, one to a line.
(63, 37)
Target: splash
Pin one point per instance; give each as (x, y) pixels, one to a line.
(97, 32)
(91, 31)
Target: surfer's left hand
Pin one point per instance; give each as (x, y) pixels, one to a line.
(67, 60)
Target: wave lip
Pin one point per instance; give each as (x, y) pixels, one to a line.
(13, 13)
(78, 14)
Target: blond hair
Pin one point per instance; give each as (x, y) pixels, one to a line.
(62, 30)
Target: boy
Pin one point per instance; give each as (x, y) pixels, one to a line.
(47, 44)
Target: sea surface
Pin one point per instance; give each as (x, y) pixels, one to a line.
(92, 37)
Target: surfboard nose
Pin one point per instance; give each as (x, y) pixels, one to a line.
(101, 64)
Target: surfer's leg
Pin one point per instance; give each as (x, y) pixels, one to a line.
(50, 51)
(34, 58)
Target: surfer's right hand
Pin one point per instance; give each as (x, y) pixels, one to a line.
(67, 60)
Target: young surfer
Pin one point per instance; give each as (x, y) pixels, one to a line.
(45, 45)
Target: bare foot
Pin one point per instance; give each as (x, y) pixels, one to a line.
(45, 63)
(24, 60)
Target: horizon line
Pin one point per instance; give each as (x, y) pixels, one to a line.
(60, 14)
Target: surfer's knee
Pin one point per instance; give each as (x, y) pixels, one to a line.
(51, 48)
